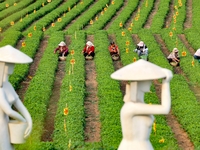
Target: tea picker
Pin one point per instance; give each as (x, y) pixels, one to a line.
(89, 50)
(142, 50)
(114, 51)
(62, 50)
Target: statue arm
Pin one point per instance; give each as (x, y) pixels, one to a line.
(5, 106)
(166, 94)
(165, 105)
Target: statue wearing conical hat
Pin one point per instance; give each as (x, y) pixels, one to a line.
(15, 125)
(136, 116)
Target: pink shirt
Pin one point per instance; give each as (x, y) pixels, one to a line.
(61, 49)
(171, 55)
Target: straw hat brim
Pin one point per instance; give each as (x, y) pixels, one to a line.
(10, 54)
(138, 71)
(140, 43)
(62, 44)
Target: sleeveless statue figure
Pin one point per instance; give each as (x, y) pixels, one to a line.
(136, 116)
(8, 98)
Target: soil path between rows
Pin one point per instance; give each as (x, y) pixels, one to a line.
(92, 120)
(117, 14)
(52, 106)
(169, 16)
(130, 20)
(88, 25)
(33, 67)
(77, 17)
(188, 19)
(153, 12)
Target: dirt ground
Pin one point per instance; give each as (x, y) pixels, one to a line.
(92, 125)
(33, 67)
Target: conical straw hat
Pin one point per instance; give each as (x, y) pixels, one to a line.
(139, 70)
(62, 44)
(10, 54)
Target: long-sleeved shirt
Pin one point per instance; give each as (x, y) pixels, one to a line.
(173, 56)
(88, 49)
(62, 50)
(113, 49)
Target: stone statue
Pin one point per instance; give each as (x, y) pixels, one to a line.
(12, 123)
(136, 116)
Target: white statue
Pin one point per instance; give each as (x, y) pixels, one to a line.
(137, 116)
(8, 98)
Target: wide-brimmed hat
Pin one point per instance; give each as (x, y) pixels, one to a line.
(62, 44)
(89, 43)
(10, 54)
(175, 50)
(139, 71)
(141, 43)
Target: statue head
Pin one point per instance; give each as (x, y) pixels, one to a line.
(9, 56)
(140, 75)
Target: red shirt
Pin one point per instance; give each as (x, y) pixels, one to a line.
(113, 49)
(88, 49)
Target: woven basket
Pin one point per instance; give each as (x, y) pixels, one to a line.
(115, 57)
(174, 64)
(62, 58)
(89, 57)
